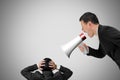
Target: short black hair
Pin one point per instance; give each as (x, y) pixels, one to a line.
(88, 16)
(46, 67)
(47, 59)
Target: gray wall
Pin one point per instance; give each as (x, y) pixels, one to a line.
(33, 29)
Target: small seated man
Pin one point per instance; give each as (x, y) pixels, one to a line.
(46, 66)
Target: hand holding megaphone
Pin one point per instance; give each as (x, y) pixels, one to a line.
(70, 46)
(83, 48)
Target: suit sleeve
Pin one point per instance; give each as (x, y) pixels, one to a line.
(27, 72)
(67, 73)
(63, 74)
(96, 53)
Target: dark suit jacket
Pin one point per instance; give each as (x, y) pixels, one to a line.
(109, 44)
(62, 74)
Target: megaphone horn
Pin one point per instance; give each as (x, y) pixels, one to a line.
(70, 46)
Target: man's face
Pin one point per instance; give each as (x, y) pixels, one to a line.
(87, 28)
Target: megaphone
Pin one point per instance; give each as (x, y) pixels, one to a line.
(70, 46)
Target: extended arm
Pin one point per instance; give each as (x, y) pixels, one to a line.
(100, 53)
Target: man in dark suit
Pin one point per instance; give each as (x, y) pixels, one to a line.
(109, 38)
(46, 67)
